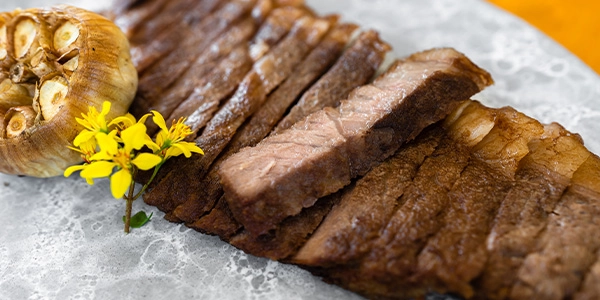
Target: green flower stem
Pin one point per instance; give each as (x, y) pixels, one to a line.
(149, 181)
(129, 199)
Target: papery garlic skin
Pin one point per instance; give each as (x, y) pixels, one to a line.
(76, 59)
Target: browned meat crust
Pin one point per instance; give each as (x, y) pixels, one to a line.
(542, 177)
(172, 41)
(315, 64)
(267, 73)
(265, 118)
(344, 235)
(323, 152)
(129, 15)
(567, 248)
(289, 236)
(355, 68)
(487, 204)
(168, 69)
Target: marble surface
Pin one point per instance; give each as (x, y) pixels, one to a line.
(62, 239)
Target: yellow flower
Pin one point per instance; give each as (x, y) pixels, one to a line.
(93, 122)
(112, 156)
(170, 142)
(126, 121)
(87, 149)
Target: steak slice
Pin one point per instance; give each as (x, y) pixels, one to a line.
(219, 222)
(205, 100)
(202, 104)
(346, 233)
(589, 288)
(386, 261)
(356, 67)
(456, 254)
(321, 154)
(315, 64)
(262, 122)
(128, 15)
(567, 248)
(169, 69)
(289, 236)
(210, 79)
(167, 42)
(542, 177)
(266, 74)
(171, 17)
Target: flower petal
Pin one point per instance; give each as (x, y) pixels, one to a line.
(102, 155)
(183, 149)
(143, 118)
(127, 120)
(134, 137)
(161, 137)
(119, 183)
(72, 169)
(152, 145)
(192, 147)
(82, 137)
(172, 151)
(107, 142)
(98, 169)
(146, 161)
(159, 120)
(105, 108)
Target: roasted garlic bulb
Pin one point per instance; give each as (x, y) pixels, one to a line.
(55, 64)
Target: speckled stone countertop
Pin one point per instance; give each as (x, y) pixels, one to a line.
(63, 239)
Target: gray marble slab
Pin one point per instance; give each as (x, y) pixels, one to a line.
(62, 239)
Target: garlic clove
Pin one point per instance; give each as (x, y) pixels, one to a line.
(52, 96)
(65, 36)
(26, 31)
(4, 57)
(40, 64)
(3, 52)
(12, 94)
(18, 119)
(71, 65)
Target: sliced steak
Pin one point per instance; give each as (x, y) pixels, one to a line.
(322, 153)
(289, 236)
(128, 15)
(210, 78)
(315, 64)
(262, 122)
(199, 118)
(266, 74)
(589, 288)
(355, 68)
(219, 222)
(456, 254)
(171, 17)
(169, 42)
(542, 177)
(168, 69)
(386, 263)
(346, 233)
(204, 102)
(567, 249)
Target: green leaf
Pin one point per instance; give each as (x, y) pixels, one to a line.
(138, 220)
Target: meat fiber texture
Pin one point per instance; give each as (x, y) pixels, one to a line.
(486, 204)
(489, 204)
(322, 153)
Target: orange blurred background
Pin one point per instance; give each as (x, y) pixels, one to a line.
(575, 23)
